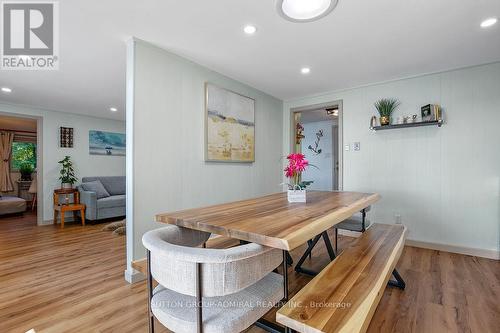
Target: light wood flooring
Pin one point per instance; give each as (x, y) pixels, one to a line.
(71, 280)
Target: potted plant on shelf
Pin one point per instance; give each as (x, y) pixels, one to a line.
(296, 187)
(26, 169)
(67, 174)
(385, 108)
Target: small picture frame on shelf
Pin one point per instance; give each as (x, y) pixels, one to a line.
(426, 112)
(66, 137)
(430, 112)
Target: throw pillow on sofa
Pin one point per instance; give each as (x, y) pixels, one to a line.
(97, 187)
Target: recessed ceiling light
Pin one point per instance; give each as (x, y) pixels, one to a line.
(249, 29)
(113, 109)
(6, 90)
(488, 22)
(305, 10)
(305, 70)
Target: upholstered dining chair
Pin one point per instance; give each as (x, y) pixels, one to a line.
(358, 222)
(209, 290)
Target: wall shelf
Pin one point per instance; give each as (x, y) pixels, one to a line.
(437, 123)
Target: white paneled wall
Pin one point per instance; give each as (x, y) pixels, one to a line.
(168, 171)
(443, 182)
(85, 164)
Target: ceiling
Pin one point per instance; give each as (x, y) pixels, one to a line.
(17, 124)
(360, 42)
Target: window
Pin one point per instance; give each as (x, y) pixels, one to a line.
(23, 152)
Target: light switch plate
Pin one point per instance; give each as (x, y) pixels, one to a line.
(347, 147)
(357, 146)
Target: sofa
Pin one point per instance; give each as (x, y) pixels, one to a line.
(12, 205)
(105, 207)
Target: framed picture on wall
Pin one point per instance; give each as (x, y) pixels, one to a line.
(66, 137)
(229, 126)
(107, 143)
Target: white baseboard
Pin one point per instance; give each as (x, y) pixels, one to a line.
(133, 276)
(484, 253)
(46, 222)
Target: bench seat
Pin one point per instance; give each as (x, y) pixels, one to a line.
(344, 295)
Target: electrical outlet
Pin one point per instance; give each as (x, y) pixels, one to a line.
(357, 146)
(397, 218)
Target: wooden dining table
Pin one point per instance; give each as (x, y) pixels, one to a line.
(271, 220)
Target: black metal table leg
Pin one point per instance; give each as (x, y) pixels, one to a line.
(311, 245)
(151, 319)
(399, 283)
(329, 247)
(266, 324)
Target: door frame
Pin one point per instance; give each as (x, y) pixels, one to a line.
(39, 160)
(312, 107)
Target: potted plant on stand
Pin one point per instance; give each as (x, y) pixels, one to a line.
(385, 108)
(26, 169)
(67, 174)
(296, 187)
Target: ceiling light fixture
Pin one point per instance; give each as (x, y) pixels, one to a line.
(6, 90)
(488, 22)
(334, 111)
(249, 29)
(113, 109)
(304, 10)
(305, 70)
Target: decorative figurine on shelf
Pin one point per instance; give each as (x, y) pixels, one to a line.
(373, 122)
(414, 118)
(299, 130)
(385, 108)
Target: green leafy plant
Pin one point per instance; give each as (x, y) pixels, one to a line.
(67, 174)
(26, 169)
(23, 152)
(386, 106)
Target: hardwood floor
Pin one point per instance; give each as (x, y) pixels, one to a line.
(71, 280)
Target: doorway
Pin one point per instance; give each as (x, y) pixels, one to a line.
(317, 133)
(20, 185)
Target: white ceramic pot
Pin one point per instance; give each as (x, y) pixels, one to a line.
(296, 195)
(66, 185)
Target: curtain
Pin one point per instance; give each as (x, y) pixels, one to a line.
(6, 139)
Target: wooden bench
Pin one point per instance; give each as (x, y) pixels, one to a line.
(344, 295)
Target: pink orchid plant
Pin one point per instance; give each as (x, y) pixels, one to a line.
(296, 165)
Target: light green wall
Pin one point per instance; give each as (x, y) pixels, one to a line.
(168, 169)
(444, 182)
(85, 164)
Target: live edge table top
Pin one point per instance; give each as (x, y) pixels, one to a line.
(271, 220)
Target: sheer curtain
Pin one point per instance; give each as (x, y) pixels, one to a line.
(6, 139)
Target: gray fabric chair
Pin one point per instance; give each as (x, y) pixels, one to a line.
(216, 290)
(112, 206)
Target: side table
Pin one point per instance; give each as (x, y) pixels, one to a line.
(68, 206)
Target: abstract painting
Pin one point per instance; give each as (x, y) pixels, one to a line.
(230, 128)
(106, 143)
